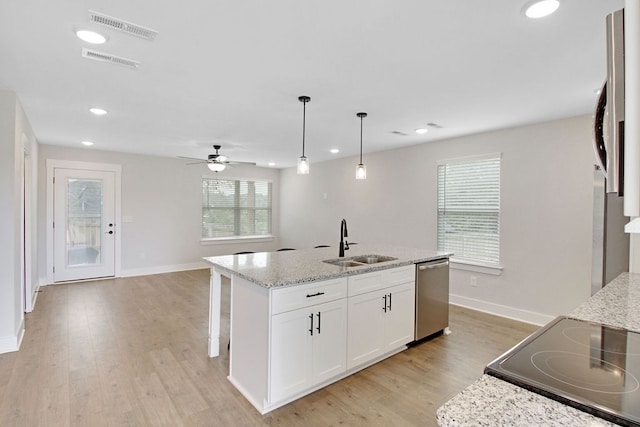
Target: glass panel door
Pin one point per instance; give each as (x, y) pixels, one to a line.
(84, 226)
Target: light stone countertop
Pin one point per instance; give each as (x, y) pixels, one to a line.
(276, 269)
(490, 401)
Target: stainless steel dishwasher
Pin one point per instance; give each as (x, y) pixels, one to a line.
(432, 298)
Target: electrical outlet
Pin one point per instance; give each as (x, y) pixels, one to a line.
(473, 282)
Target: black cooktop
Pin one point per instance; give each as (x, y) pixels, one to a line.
(589, 366)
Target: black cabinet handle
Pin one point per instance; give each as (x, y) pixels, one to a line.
(315, 295)
(311, 330)
(318, 328)
(389, 301)
(384, 306)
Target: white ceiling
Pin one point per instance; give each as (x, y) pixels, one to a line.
(230, 72)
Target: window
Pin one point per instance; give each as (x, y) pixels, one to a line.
(235, 208)
(469, 209)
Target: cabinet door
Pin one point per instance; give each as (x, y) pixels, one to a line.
(291, 353)
(365, 328)
(399, 318)
(329, 340)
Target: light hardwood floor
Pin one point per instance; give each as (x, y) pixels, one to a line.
(133, 352)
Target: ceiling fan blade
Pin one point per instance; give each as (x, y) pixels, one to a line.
(201, 162)
(191, 158)
(241, 163)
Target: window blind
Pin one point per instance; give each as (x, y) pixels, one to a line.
(235, 208)
(469, 209)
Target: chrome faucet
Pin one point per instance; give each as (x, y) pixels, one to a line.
(344, 245)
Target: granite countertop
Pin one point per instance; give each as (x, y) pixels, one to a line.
(490, 401)
(275, 269)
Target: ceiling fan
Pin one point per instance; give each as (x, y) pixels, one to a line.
(216, 162)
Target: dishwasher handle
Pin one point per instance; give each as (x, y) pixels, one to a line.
(423, 267)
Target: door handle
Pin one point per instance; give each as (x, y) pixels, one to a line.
(318, 328)
(317, 294)
(389, 301)
(384, 306)
(311, 329)
(431, 266)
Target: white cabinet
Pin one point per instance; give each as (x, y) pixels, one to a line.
(287, 342)
(380, 321)
(308, 346)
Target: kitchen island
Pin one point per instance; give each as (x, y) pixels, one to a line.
(491, 401)
(299, 323)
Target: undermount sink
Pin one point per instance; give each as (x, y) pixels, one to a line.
(373, 259)
(344, 263)
(359, 261)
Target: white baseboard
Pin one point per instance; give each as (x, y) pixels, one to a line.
(163, 269)
(31, 304)
(501, 310)
(9, 344)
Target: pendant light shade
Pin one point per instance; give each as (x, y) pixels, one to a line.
(361, 169)
(303, 162)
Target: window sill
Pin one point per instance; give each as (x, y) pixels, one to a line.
(236, 239)
(477, 267)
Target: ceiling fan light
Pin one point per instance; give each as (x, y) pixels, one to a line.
(303, 165)
(216, 166)
(361, 171)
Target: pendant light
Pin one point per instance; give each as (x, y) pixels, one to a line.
(361, 169)
(303, 162)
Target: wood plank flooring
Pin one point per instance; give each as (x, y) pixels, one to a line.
(133, 352)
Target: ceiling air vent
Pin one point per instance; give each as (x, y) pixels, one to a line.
(124, 26)
(397, 132)
(107, 57)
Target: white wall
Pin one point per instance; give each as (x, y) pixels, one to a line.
(546, 212)
(13, 125)
(161, 209)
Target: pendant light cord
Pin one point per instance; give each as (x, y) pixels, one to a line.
(361, 118)
(304, 99)
(304, 121)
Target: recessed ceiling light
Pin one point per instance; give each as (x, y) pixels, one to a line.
(540, 8)
(272, 164)
(87, 143)
(98, 111)
(334, 151)
(422, 131)
(91, 37)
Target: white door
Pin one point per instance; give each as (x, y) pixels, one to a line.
(330, 340)
(366, 317)
(84, 224)
(291, 352)
(399, 318)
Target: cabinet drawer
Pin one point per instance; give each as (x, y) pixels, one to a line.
(294, 297)
(370, 282)
(397, 276)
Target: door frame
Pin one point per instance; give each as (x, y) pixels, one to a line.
(53, 164)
